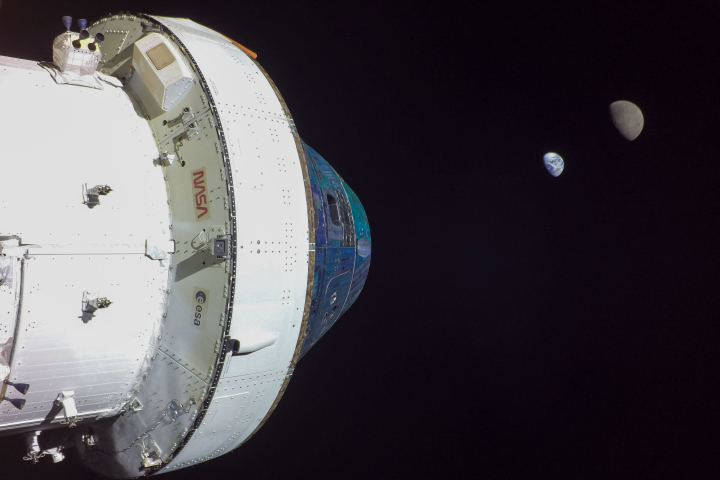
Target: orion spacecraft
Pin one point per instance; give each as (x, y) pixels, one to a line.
(169, 246)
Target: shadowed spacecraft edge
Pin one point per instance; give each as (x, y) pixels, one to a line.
(177, 249)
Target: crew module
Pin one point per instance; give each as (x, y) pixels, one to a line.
(169, 246)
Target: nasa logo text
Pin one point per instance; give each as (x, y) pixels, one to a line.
(199, 188)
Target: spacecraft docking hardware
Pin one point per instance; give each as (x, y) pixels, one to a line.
(169, 246)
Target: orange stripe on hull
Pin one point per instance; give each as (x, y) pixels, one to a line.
(244, 49)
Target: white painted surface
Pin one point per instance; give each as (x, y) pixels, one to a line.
(253, 340)
(56, 138)
(64, 137)
(272, 238)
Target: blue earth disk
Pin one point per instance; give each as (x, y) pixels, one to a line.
(554, 163)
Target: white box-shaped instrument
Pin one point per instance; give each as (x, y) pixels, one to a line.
(162, 70)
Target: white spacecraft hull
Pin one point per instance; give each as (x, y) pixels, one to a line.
(224, 161)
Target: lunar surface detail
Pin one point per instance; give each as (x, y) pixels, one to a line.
(554, 163)
(627, 118)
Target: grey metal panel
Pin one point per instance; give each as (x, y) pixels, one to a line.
(121, 32)
(228, 421)
(117, 451)
(214, 423)
(56, 349)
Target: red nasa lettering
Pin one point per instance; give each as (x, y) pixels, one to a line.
(199, 186)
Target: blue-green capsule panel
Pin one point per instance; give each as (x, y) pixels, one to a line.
(342, 248)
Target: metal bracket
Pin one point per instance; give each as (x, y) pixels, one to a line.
(188, 120)
(165, 159)
(96, 303)
(33, 446)
(56, 453)
(200, 242)
(184, 118)
(91, 305)
(91, 196)
(190, 132)
(33, 449)
(151, 458)
(66, 399)
(135, 405)
(34, 456)
(149, 27)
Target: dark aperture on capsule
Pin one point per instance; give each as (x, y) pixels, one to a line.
(333, 207)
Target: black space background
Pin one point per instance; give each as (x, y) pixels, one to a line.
(514, 325)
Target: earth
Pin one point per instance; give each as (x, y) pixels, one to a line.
(554, 163)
